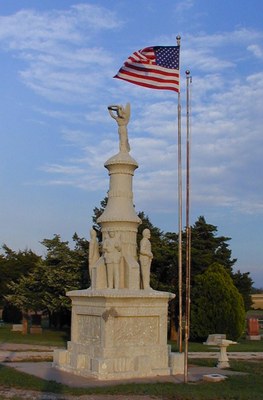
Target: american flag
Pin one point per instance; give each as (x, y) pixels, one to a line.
(153, 67)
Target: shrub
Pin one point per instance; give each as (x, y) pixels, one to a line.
(216, 305)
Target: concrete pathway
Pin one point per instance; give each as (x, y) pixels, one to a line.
(22, 357)
(22, 352)
(231, 355)
(45, 371)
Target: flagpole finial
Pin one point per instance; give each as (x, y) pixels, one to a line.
(178, 38)
(188, 76)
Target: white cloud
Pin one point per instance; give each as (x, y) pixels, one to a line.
(28, 29)
(63, 169)
(182, 6)
(256, 50)
(63, 65)
(61, 61)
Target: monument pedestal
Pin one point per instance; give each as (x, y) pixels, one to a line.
(117, 334)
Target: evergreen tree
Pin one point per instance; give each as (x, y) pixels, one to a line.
(216, 306)
(207, 248)
(244, 283)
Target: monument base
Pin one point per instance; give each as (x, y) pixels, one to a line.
(117, 334)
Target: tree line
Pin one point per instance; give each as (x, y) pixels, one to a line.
(29, 282)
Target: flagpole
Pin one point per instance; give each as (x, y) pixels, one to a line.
(180, 196)
(188, 229)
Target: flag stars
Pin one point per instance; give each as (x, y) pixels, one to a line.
(167, 57)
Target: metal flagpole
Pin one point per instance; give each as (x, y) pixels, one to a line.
(188, 228)
(179, 170)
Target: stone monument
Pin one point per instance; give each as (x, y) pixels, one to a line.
(119, 324)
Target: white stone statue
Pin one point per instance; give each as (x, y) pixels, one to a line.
(112, 255)
(146, 257)
(94, 254)
(122, 116)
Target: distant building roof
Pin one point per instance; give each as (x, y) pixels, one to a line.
(257, 300)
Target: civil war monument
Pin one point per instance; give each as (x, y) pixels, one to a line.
(119, 324)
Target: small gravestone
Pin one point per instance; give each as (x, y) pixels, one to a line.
(253, 329)
(17, 327)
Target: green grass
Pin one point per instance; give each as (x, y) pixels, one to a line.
(245, 387)
(243, 345)
(49, 337)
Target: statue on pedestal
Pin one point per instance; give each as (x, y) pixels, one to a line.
(146, 257)
(112, 255)
(122, 116)
(119, 324)
(94, 254)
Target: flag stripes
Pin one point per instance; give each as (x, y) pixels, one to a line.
(153, 67)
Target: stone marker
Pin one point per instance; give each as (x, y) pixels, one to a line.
(253, 329)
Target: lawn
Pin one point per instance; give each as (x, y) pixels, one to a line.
(243, 387)
(243, 345)
(49, 337)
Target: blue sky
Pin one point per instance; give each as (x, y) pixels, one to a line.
(58, 58)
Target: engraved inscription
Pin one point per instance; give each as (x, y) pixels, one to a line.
(89, 328)
(136, 330)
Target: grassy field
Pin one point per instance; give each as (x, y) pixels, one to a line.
(242, 387)
(245, 387)
(48, 337)
(243, 345)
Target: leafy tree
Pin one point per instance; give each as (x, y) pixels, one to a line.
(45, 287)
(27, 293)
(217, 306)
(13, 265)
(244, 284)
(62, 274)
(81, 252)
(97, 213)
